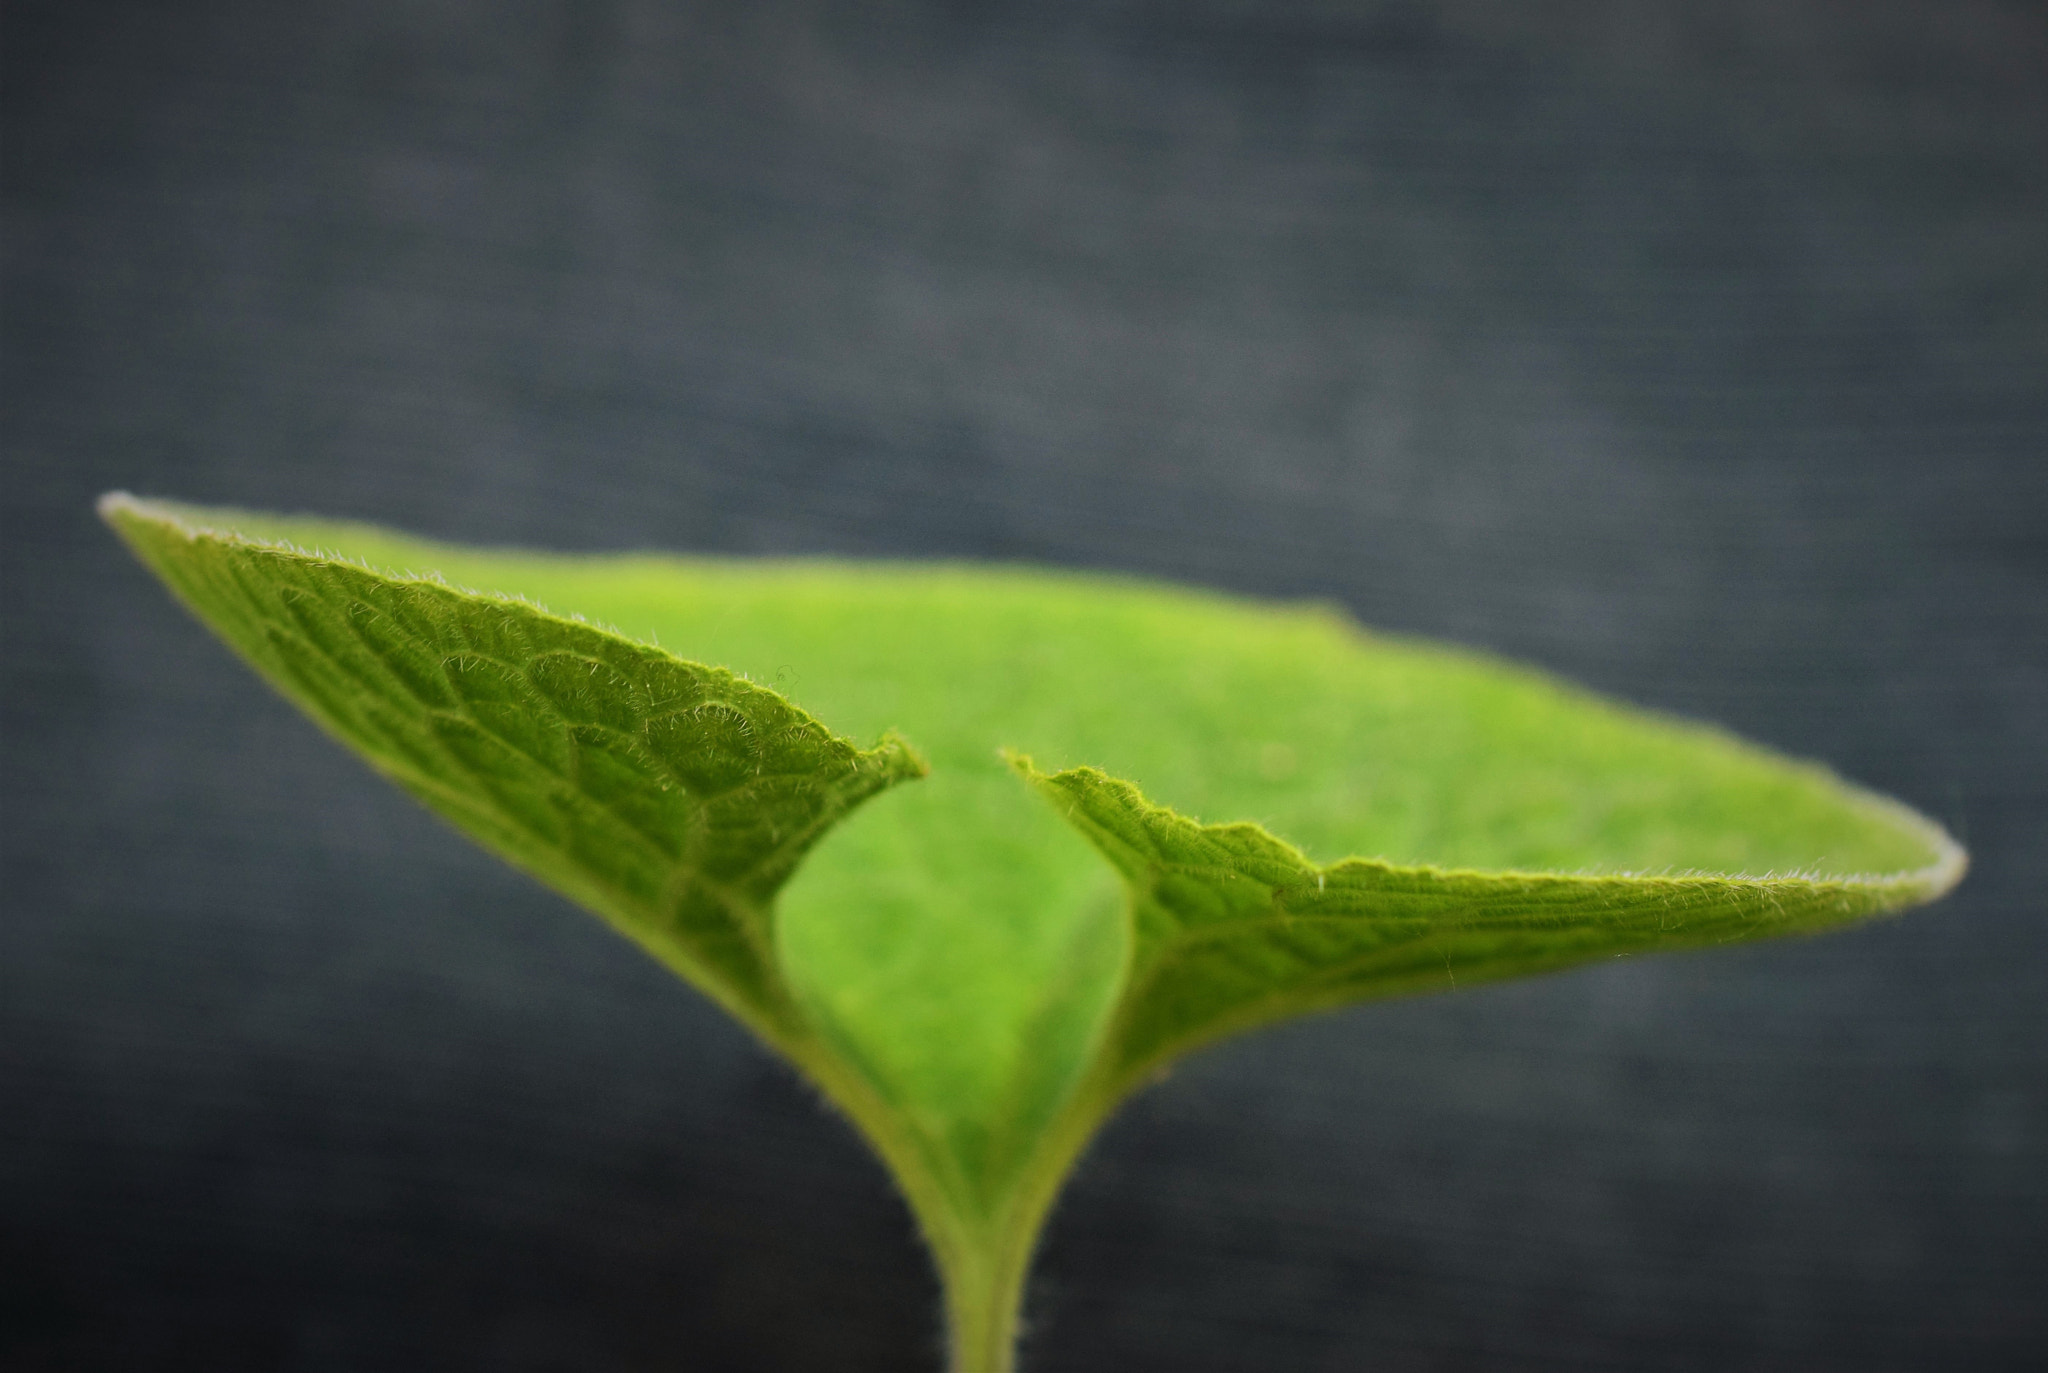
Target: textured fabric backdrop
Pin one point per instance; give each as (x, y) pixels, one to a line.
(1698, 351)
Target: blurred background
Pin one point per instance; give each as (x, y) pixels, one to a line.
(1697, 351)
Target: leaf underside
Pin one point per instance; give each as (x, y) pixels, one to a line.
(972, 963)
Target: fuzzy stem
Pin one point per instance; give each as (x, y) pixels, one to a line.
(983, 1259)
(984, 1301)
(985, 1271)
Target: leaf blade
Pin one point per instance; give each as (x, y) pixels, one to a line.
(955, 963)
(671, 798)
(1233, 928)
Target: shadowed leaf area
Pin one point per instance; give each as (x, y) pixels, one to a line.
(1138, 817)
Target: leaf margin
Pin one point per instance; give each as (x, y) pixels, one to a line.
(155, 530)
(1152, 845)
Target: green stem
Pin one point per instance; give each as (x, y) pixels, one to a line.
(983, 1259)
(984, 1301)
(984, 1271)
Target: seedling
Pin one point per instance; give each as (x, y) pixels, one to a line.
(979, 934)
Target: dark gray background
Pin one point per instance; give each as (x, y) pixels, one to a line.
(1697, 351)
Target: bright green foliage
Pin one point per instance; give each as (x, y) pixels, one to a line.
(1232, 928)
(975, 975)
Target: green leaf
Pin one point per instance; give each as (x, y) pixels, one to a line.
(977, 976)
(672, 799)
(1233, 928)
